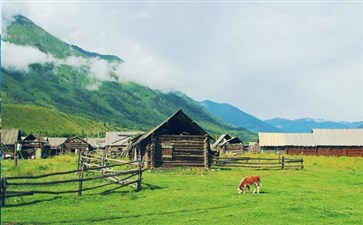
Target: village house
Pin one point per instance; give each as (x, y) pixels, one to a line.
(10, 139)
(117, 142)
(178, 141)
(328, 142)
(35, 146)
(225, 143)
(74, 145)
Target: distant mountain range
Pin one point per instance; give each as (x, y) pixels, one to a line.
(238, 118)
(73, 86)
(307, 124)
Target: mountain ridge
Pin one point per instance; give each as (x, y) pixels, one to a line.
(237, 117)
(75, 91)
(305, 125)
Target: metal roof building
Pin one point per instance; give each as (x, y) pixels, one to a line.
(318, 137)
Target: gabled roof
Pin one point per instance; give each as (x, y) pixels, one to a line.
(177, 124)
(34, 138)
(225, 138)
(77, 138)
(56, 142)
(96, 142)
(10, 136)
(119, 138)
(221, 139)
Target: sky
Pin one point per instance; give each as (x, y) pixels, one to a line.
(300, 59)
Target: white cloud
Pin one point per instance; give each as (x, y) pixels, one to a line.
(20, 57)
(259, 57)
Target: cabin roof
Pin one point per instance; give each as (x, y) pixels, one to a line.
(10, 136)
(119, 138)
(177, 124)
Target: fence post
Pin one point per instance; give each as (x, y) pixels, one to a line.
(80, 180)
(302, 163)
(282, 162)
(3, 191)
(79, 163)
(139, 176)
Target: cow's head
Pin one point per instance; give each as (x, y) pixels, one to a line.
(242, 189)
(239, 190)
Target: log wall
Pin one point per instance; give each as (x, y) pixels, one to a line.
(175, 150)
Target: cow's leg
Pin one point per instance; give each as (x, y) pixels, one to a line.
(257, 188)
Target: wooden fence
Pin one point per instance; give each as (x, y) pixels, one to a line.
(259, 163)
(122, 177)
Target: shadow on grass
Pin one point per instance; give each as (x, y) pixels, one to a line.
(31, 202)
(150, 186)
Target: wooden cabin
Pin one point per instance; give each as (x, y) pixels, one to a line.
(9, 141)
(225, 143)
(56, 144)
(75, 144)
(35, 146)
(117, 143)
(96, 143)
(176, 142)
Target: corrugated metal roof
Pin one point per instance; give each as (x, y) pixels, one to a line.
(272, 139)
(10, 136)
(340, 137)
(319, 137)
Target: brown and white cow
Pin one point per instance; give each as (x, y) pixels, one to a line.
(245, 184)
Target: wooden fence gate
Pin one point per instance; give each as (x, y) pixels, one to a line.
(122, 177)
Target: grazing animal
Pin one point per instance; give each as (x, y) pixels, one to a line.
(245, 184)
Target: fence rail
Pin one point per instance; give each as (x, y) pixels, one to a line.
(121, 177)
(259, 163)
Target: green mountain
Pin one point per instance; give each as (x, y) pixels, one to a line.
(237, 117)
(73, 89)
(45, 121)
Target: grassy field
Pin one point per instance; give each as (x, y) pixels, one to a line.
(49, 122)
(328, 191)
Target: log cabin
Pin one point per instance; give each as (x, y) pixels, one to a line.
(176, 142)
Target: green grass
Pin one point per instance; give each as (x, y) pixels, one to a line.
(49, 122)
(328, 191)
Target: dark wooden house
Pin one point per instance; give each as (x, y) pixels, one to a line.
(10, 139)
(35, 146)
(225, 143)
(178, 141)
(75, 144)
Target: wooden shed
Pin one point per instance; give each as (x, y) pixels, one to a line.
(9, 140)
(226, 143)
(117, 142)
(178, 141)
(56, 144)
(75, 144)
(35, 146)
